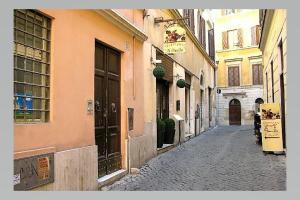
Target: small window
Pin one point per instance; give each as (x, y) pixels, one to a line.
(31, 66)
(233, 76)
(257, 74)
(230, 11)
(233, 39)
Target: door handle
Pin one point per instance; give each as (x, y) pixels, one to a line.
(113, 107)
(97, 106)
(104, 113)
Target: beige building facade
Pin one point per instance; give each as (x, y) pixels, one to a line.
(273, 45)
(239, 65)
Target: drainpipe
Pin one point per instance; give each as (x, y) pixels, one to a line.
(133, 64)
(128, 153)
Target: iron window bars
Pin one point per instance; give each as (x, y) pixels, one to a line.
(31, 66)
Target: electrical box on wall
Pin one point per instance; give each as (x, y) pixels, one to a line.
(177, 105)
(90, 107)
(130, 118)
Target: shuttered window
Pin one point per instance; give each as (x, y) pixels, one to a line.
(229, 11)
(255, 35)
(189, 13)
(167, 63)
(272, 81)
(202, 31)
(233, 76)
(232, 39)
(31, 66)
(267, 87)
(257, 74)
(225, 39)
(240, 37)
(211, 44)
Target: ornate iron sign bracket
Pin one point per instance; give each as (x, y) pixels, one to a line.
(162, 20)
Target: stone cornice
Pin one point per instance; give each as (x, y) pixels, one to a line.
(266, 27)
(233, 59)
(122, 23)
(176, 14)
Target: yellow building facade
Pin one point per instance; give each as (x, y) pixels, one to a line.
(239, 65)
(273, 44)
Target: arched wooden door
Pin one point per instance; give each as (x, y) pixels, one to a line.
(234, 112)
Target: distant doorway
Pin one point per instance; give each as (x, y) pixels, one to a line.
(258, 101)
(234, 112)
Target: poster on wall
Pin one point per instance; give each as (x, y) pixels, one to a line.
(271, 127)
(174, 39)
(24, 104)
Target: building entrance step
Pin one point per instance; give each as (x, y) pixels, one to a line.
(111, 178)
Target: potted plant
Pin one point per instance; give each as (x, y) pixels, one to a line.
(181, 83)
(160, 132)
(170, 131)
(159, 72)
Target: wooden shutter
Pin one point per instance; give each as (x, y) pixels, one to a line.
(255, 74)
(225, 39)
(260, 74)
(258, 32)
(236, 76)
(188, 80)
(240, 37)
(233, 76)
(204, 33)
(253, 35)
(230, 76)
(199, 26)
(211, 44)
(189, 13)
(167, 63)
(186, 14)
(192, 21)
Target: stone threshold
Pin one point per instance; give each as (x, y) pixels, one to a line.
(164, 148)
(111, 178)
(188, 136)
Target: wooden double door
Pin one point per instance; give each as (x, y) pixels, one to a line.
(234, 112)
(107, 109)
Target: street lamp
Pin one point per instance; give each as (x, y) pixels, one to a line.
(218, 92)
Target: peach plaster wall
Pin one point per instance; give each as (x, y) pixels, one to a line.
(72, 82)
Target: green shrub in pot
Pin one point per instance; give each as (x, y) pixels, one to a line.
(170, 131)
(159, 72)
(161, 128)
(180, 83)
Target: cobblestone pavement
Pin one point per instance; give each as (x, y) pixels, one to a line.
(224, 158)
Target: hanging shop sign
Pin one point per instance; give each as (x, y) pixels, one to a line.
(174, 39)
(271, 127)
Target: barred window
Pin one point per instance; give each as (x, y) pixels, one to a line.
(233, 76)
(31, 66)
(257, 74)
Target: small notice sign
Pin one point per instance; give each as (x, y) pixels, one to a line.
(43, 168)
(34, 171)
(271, 127)
(17, 179)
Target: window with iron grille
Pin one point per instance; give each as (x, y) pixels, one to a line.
(31, 66)
(233, 76)
(257, 74)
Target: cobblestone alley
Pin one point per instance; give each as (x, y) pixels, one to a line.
(224, 158)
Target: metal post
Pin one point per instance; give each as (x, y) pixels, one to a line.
(179, 132)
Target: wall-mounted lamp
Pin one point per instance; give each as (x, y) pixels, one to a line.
(154, 61)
